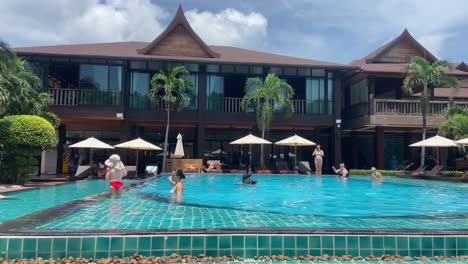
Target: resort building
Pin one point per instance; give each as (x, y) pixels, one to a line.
(102, 90)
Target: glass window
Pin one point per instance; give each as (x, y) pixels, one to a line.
(290, 71)
(242, 69)
(192, 67)
(318, 72)
(330, 96)
(304, 71)
(140, 89)
(256, 70)
(192, 102)
(154, 65)
(215, 93)
(115, 78)
(315, 96)
(276, 70)
(227, 68)
(94, 77)
(359, 92)
(212, 68)
(139, 65)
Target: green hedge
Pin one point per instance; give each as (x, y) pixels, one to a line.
(27, 130)
(356, 172)
(368, 172)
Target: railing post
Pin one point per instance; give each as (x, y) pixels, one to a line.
(371, 104)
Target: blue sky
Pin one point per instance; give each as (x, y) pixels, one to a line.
(332, 30)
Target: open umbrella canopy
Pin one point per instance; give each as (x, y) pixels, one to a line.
(250, 139)
(91, 143)
(138, 144)
(179, 150)
(296, 141)
(462, 141)
(436, 141)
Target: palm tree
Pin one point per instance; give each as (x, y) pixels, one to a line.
(266, 97)
(6, 58)
(171, 88)
(420, 72)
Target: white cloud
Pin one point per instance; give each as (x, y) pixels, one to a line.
(32, 22)
(57, 21)
(229, 27)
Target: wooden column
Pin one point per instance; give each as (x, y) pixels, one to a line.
(336, 130)
(379, 143)
(60, 149)
(200, 144)
(354, 159)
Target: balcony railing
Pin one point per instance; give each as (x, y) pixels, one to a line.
(410, 107)
(300, 106)
(75, 97)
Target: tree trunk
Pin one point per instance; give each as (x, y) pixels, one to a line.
(262, 158)
(424, 106)
(165, 142)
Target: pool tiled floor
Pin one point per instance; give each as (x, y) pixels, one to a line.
(127, 214)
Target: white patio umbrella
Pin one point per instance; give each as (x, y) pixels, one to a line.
(295, 141)
(436, 141)
(138, 144)
(462, 141)
(250, 139)
(179, 149)
(91, 143)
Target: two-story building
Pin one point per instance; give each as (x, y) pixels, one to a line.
(102, 90)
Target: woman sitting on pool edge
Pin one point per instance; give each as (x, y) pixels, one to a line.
(342, 171)
(115, 173)
(246, 177)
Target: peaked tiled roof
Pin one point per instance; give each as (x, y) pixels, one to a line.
(462, 67)
(179, 20)
(405, 35)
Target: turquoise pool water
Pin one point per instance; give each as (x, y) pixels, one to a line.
(220, 201)
(28, 201)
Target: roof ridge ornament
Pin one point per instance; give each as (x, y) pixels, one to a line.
(179, 19)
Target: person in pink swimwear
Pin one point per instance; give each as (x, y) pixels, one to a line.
(115, 173)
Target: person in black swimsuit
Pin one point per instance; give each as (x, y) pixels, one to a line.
(246, 177)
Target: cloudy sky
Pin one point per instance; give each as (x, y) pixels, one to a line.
(332, 30)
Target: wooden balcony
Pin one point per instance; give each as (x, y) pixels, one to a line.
(395, 113)
(82, 97)
(234, 105)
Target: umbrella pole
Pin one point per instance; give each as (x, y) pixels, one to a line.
(250, 153)
(438, 156)
(136, 167)
(91, 161)
(295, 153)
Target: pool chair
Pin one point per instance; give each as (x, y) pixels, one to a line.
(81, 173)
(151, 170)
(304, 167)
(434, 172)
(415, 173)
(131, 171)
(283, 168)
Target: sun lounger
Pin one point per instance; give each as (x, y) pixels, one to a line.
(434, 172)
(131, 171)
(151, 170)
(82, 172)
(304, 167)
(418, 171)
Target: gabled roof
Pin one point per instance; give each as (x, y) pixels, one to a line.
(128, 50)
(462, 67)
(179, 21)
(378, 53)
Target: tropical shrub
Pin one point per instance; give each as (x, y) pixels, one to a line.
(23, 137)
(455, 127)
(368, 172)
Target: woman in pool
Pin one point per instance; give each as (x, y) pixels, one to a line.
(342, 171)
(375, 175)
(318, 160)
(115, 173)
(178, 188)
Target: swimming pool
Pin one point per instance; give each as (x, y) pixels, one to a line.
(24, 202)
(220, 201)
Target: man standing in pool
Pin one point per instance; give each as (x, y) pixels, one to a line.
(115, 173)
(342, 171)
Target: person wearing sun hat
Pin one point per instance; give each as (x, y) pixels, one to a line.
(115, 173)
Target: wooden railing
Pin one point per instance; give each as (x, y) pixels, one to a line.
(75, 97)
(409, 107)
(233, 105)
